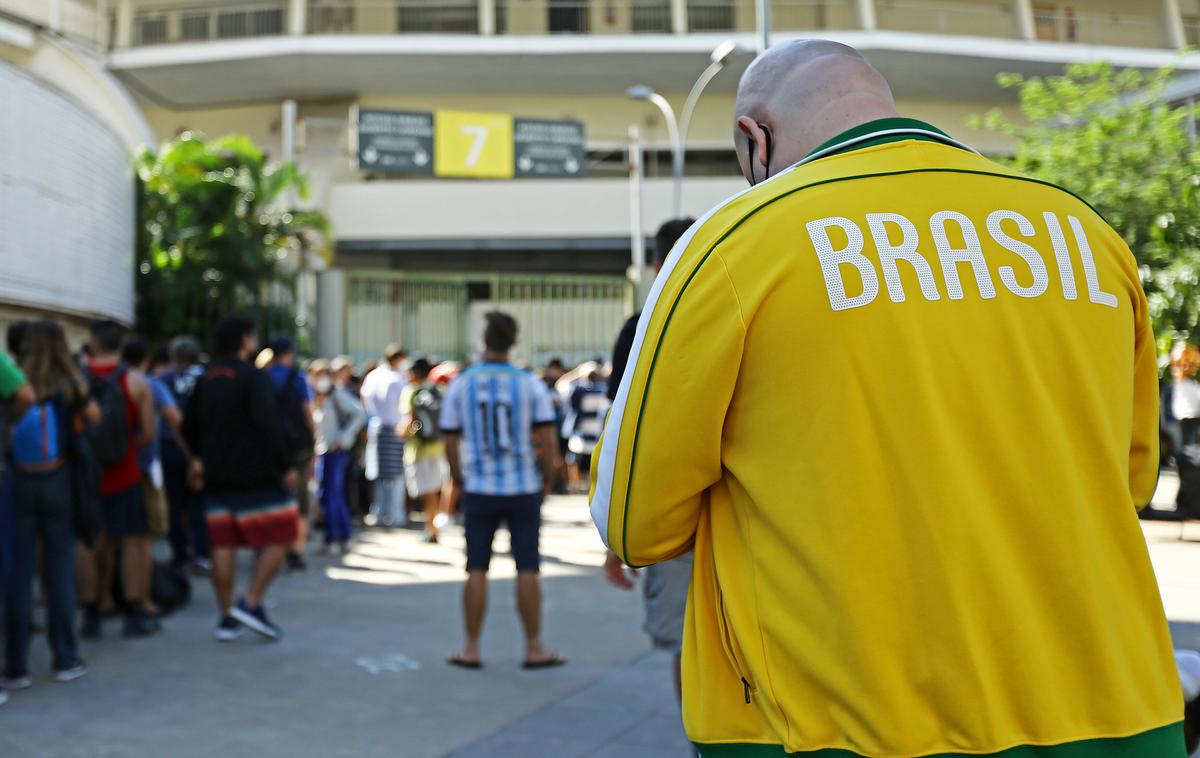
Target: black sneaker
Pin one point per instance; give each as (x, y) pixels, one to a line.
(138, 625)
(91, 624)
(255, 619)
(295, 562)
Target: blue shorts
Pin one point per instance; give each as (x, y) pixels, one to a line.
(521, 514)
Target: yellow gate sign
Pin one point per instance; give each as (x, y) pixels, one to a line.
(474, 145)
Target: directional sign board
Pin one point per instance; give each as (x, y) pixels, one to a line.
(397, 142)
(548, 148)
(467, 144)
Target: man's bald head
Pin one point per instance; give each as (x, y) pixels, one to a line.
(804, 93)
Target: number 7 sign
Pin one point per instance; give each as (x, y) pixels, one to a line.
(474, 145)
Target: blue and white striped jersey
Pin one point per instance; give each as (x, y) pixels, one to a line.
(494, 406)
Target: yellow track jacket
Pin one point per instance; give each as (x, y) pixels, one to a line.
(903, 403)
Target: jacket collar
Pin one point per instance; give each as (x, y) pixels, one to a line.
(882, 131)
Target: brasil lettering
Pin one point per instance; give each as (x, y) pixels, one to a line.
(1006, 228)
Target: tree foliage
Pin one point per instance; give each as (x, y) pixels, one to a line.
(1109, 136)
(216, 236)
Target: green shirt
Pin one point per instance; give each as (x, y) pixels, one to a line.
(11, 377)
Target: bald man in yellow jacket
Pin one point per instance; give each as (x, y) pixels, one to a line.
(903, 403)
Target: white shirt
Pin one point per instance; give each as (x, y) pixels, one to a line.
(381, 394)
(1185, 399)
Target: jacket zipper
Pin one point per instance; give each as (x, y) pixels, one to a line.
(730, 646)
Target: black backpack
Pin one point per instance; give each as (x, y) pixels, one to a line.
(298, 437)
(427, 408)
(109, 439)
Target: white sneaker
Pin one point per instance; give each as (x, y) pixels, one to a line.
(69, 675)
(16, 682)
(228, 630)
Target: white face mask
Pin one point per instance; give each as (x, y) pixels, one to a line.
(323, 384)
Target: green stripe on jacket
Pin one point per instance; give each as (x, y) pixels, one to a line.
(1164, 742)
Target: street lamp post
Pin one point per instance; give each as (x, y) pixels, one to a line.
(677, 130)
(717, 62)
(642, 92)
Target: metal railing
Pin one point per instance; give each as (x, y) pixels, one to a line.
(573, 317)
(1125, 29)
(982, 19)
(582, 17)
(786, 15)
(986, 18)
(393, 17)
(156, 26)
(1191, 31)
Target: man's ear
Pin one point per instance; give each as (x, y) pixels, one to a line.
(751, 129)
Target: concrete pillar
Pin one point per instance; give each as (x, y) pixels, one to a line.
(487, 17)
(54, 14)
(1172, 24)
(124, 24)
(297, 17)
(331, 312)
(679, 17)
(102, 29)
(867, 19)
(1022, 11)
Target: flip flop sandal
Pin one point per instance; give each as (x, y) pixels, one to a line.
(550, 663)
(462, 663)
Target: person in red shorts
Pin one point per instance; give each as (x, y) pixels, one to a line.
(242, 465)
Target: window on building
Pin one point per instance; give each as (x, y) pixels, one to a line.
(151, 30)
(651, 17)
(570, 16)
(711, 15)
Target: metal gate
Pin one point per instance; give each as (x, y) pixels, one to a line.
(575, 318)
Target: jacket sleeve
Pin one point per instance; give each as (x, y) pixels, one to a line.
(1143, 445)
(661, 447)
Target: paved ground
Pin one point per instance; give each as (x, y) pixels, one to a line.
(361, 674)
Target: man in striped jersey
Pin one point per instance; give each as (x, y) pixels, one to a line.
(491, 418)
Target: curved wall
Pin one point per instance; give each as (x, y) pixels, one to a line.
(66, 204)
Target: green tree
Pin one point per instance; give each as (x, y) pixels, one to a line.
(216, 236)
(1110, 136)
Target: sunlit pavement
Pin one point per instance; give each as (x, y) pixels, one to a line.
(361, 670)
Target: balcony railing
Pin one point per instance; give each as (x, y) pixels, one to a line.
(786, 15)
(583, 17)
(979, 19)
(202, 23)
(1126, 29)
(393, 17)
(156, 23)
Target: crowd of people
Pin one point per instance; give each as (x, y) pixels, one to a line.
(121, 444)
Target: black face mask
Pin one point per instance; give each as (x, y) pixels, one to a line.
(750, 144)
